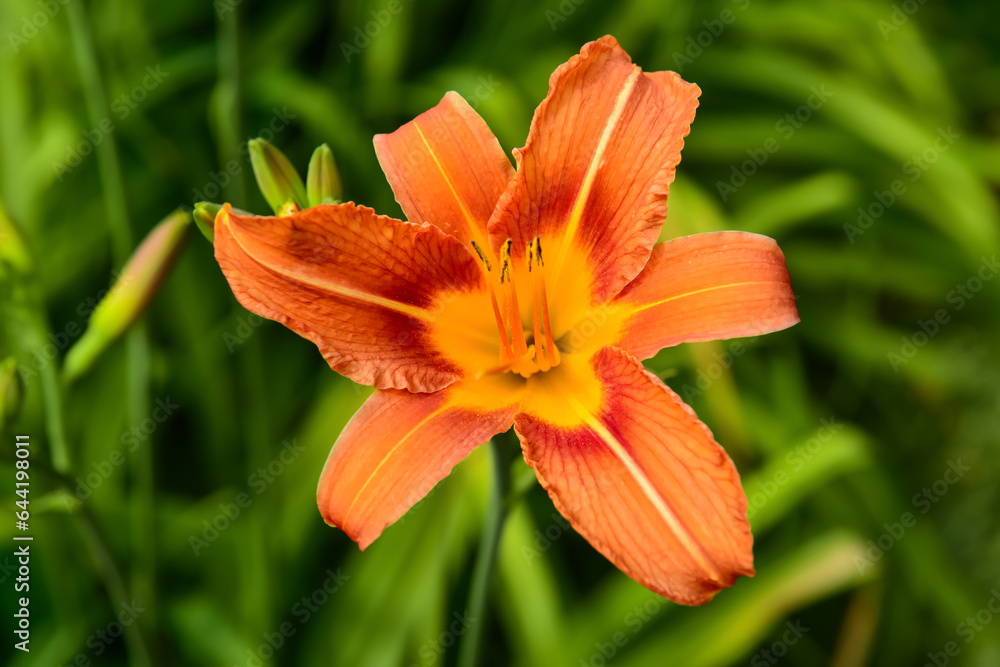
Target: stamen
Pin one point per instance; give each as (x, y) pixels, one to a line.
(540, 359)
(513, 309)
(506, 353)
(482, 256)
(551, 351)
(515, 354)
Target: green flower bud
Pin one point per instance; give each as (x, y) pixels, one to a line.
(323, 180)
(276, 177)
(11, 392)
(204, 216)
(136, 285)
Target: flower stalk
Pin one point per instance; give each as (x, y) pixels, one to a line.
(503, 449)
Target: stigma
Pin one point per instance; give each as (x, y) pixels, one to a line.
(517, 354)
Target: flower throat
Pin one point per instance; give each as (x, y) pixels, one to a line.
(515, 353)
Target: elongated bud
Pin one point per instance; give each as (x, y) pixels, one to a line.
(13, 249)
(136, 285)
(323, 180)
(276, 177)
(11, 392)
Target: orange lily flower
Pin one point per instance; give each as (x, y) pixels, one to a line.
(527, 298)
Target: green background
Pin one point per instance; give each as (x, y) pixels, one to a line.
(842, 446)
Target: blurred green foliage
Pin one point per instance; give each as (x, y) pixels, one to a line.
(862, 135)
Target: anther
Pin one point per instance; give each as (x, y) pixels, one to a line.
(506, 353)
(513, 309)
(552, 356)
(536, 313)
(482, 255)
(505, 262)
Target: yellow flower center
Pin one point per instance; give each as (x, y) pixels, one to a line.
(516, 354)
(532, 317)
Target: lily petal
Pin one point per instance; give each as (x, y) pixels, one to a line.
(446, 168)
(399, 445)
(364, 288)
(593, 177)
(644, 482)
(707, 286)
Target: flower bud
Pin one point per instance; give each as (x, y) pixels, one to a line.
(276, 177)
(11, 392)
(136, 285)
(205, 213)
(204, 216)
(323, 180)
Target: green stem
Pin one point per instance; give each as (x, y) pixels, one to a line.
(112, 186)
(482, 574)
(230, 97)
(52, 404)
(143, 533)
(257, 429)
(52, 400)
(115, 586)
(137, 346)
